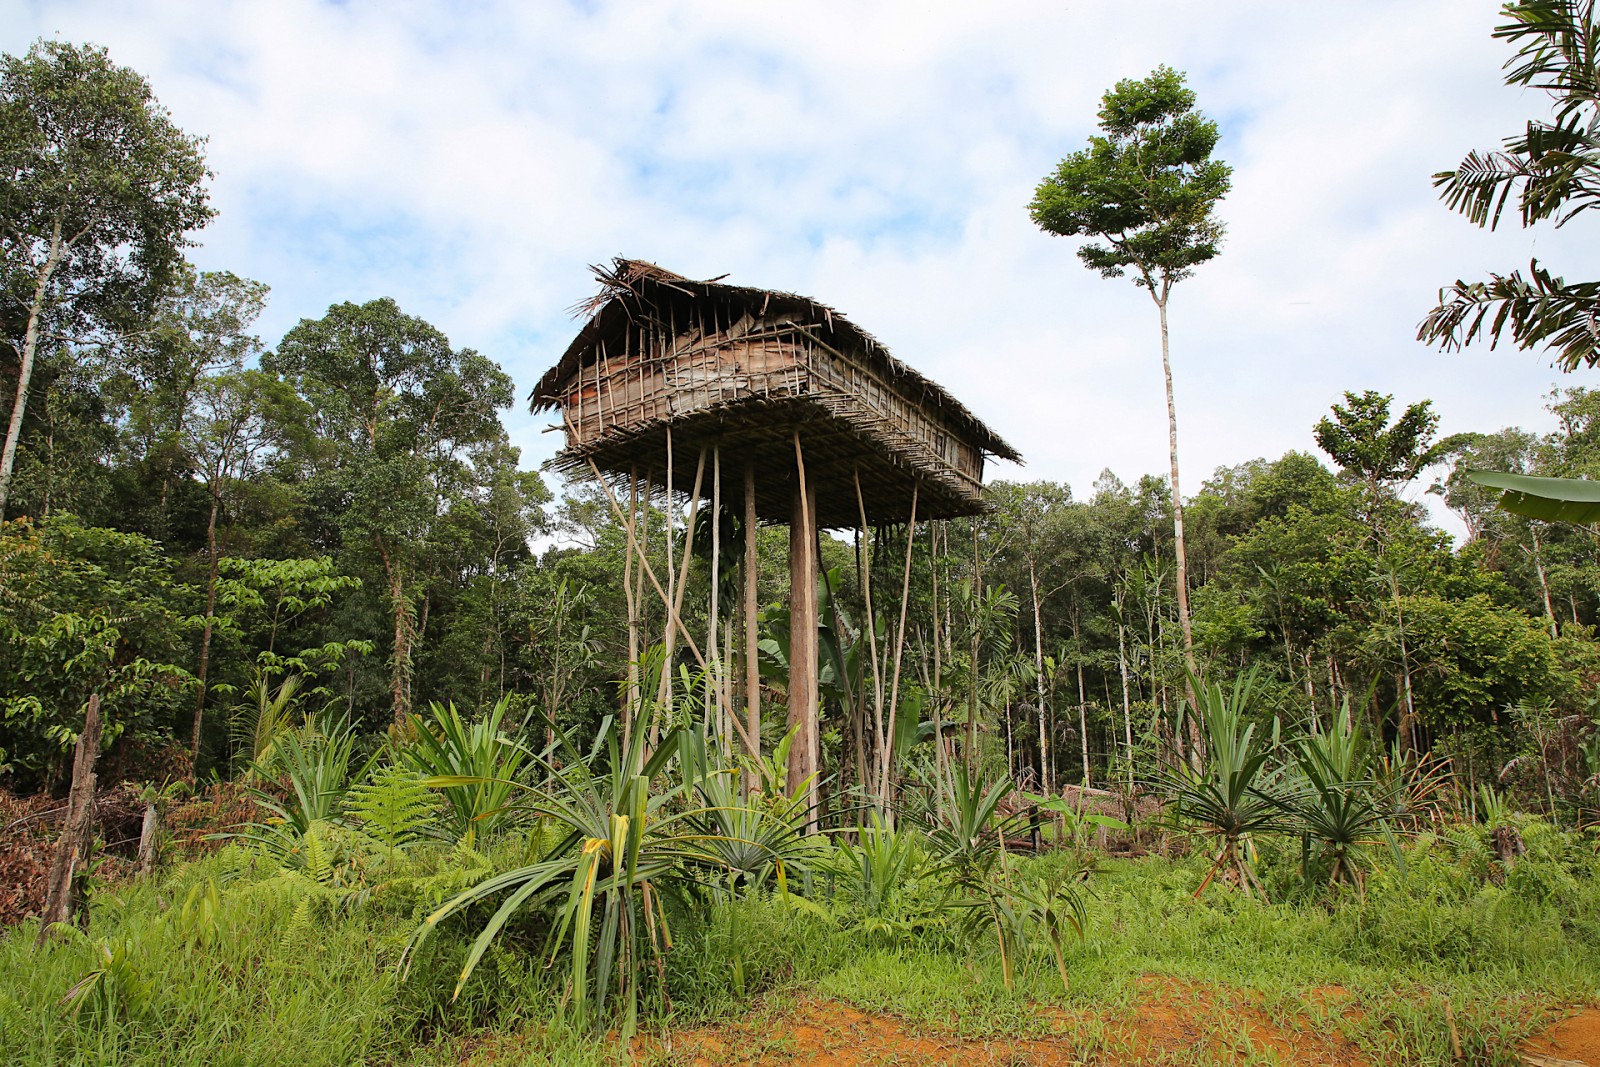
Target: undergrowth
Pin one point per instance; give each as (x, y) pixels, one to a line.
(221, 961)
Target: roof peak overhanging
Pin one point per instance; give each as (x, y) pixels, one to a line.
(637, 280)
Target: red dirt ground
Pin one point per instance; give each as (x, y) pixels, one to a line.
(1576, 1038)
(1169, 1024)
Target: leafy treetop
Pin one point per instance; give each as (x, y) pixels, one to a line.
(1146, 186)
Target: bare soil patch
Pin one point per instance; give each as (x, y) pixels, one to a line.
(1575, 1039)
(1168, 1023)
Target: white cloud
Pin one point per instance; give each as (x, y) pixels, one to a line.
(472, 160)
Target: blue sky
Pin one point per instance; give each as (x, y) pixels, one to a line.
(471, 160)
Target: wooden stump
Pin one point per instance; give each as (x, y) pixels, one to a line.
(73, 847)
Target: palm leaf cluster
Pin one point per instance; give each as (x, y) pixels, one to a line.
(1549, 171)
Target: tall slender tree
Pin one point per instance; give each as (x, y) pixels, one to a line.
(1145, 191)
(98, 192)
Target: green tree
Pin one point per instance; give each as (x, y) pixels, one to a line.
(1380, 455)
(1551, 171)
(1147, 189)
(88, 611)
(228, 436)
(400, 414)
(99, 191)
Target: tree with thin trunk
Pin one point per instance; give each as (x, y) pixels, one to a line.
(1145, 190)
(230, 429)
(98, 190)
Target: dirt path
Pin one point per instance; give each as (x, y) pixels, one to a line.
(1168, 1024)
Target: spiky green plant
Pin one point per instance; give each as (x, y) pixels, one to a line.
(623, 843)
(480, 761)
(1227, 795)
(1337, 807)
(314, 764)
(968, 836)
(747, 841)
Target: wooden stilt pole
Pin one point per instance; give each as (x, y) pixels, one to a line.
(803, 638)
(752, 571)
(939, 642)
(682, 582)
(668, 639)
(713, 640)
(872, 648)
(630, 699)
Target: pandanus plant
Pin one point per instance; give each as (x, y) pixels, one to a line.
(1226, 794)
(1339, 809)
(621, 845)
(478, 757)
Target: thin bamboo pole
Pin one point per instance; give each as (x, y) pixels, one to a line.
(673, 619)
(872, 643)
(886, 758)
(716, 566)
(668, 639)
(677, 594)
(630, 699)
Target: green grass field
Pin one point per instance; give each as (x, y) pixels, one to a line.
(224, 961)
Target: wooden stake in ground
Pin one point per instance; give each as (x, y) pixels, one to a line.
(72, 848)
(149, 837)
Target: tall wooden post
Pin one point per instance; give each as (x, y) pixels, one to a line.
(803, 635)
(752, 569)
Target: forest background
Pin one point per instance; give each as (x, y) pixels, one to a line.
(213, 529)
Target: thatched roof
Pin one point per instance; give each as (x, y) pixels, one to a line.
(631, 285)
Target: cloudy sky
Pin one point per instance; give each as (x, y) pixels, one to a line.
(471, 159)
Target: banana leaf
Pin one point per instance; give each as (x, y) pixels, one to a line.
(1574, 500)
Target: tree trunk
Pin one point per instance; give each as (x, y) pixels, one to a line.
(1408, 718)
(1038, 665)
(72, 847)
(400, 664)
(205, 633)
(1179, 545)
(30, 348)
(1127, 704)
(1544, 584)
(976, 637)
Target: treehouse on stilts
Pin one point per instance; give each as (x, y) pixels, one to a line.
(780, 410)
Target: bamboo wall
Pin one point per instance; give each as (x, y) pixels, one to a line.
(673, 378)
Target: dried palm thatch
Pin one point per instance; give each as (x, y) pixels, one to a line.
(744, 369)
